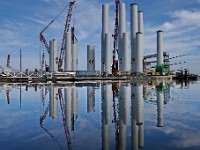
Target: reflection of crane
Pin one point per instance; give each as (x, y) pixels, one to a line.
(66, 29)
(62, 105)
(115, 90)
(115, 36)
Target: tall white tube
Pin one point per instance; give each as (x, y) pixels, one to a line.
(107, 53)
(55, 55)
(134, 30)
(160, 48)
(141, 21)
(122, 29)
(105, 29)
(74, 56)
(90, 58)
(51, 56)
(68, 54)
(126, 54)
(139, 53)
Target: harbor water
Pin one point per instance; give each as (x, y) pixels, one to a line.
(151, 115)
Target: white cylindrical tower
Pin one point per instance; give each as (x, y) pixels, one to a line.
(139, 54)
(105, 29)
(141, 21)
(74, 56)
(68, 54)
(122, 29)
(51, 56)
(160, 106)
(160, 48)
(90, 58)
(126, 54)
(55, 55)
(107, 53)
(134, 30)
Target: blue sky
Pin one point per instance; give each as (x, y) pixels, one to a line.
(22, 21)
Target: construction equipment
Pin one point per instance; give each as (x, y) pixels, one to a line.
(44, 42)
(115, 65)
(66, 29)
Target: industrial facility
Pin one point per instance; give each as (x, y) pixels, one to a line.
(124, 59)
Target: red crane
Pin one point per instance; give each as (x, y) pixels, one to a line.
(115, 41)
(66, 29)
(43, 40)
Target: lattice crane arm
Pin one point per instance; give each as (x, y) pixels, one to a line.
(66, 29)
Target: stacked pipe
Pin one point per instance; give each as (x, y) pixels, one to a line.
(53, 57)
(71, 54)
(90, 58)
(160, 47)
(105, 41)
(136, 40)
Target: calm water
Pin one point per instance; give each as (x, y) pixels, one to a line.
(157, 115)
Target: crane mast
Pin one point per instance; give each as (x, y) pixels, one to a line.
(66, 29)
(115, 41)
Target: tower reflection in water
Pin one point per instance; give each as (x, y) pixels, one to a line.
(122, 108)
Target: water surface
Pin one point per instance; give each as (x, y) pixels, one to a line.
(155, 115)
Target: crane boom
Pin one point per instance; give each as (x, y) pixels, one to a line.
(66, 29)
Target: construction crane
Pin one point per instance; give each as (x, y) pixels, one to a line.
(66, 29)
(43, 40)
(115, 70)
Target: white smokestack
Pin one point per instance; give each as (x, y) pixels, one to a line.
(90, 57)
(134, 30)
(139, 53)
(107, 53)
(160, 48)
(105, 29)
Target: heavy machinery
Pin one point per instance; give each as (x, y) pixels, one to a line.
(44, 42)
(115, 70)
(66, 29)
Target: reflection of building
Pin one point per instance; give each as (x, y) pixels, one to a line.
(160, 106)
(53, 102)
(137, 116)
(106, 110)
(71, 106)
(124, 97)
(90, 99)
(68, 105)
